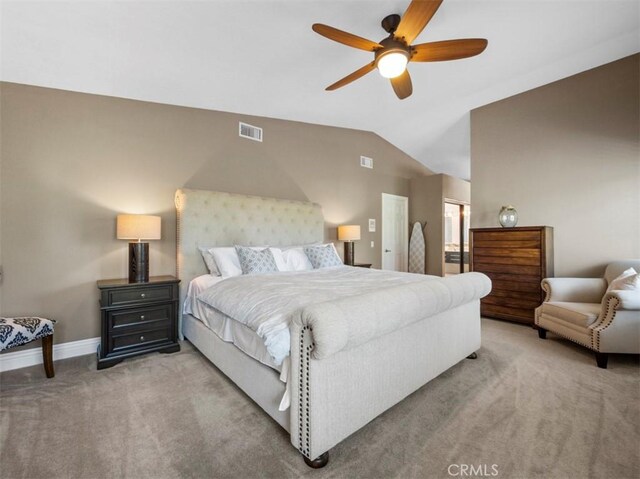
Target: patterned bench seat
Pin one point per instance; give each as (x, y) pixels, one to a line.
(18, 331)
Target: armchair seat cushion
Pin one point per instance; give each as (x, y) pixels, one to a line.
(18, 331)
(580, 314)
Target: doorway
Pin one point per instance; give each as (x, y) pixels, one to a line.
(456, 238)
(395, 232)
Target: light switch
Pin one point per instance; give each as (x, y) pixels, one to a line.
(372, 244)
(372, 225)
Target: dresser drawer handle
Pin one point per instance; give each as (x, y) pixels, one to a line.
(141, 316)
(142, 295)
(141, 338)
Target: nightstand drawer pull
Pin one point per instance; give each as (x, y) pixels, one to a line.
(142, 317)
(141, 338)
(142, 295)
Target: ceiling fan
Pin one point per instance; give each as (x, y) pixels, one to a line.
(392, 54)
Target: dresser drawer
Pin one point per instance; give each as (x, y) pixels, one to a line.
(140, 339)
(524, 303)
(532, 237)
(506, 268)
(138, 295)
(148, 316)
(511, 260)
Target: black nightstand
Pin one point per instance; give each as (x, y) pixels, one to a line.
(137, 318)
(362, 265)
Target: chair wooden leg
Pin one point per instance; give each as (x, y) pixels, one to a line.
(542, 333)
(47, 355)
(602, 359)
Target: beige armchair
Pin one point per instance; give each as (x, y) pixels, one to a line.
(581, 310)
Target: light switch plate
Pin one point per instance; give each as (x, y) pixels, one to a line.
(372, 225)
(372, 244)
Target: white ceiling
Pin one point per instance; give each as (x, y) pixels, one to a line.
(261, 57)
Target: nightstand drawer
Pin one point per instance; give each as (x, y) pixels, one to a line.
(149, 315)
(124, 296)
(139, 339)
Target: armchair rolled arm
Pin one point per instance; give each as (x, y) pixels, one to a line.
(574, 290)
(627, 300)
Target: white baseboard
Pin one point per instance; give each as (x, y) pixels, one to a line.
(31, 357)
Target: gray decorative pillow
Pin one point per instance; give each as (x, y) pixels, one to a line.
(322, 256)
(253, 261)
(210, 261)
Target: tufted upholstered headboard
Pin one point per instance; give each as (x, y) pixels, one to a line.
(211, 218)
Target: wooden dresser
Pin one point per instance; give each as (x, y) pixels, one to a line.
(516, 260)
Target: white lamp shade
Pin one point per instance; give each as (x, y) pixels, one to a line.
(138, 227)
(349, 232)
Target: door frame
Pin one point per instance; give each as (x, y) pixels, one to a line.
(405, 200)
(461, 205)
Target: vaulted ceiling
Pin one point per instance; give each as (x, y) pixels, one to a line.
(261, 57)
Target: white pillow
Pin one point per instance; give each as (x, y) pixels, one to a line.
(227, 261)
(280, 261)
(295, 259)
(629, 280)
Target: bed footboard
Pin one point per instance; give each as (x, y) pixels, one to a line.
(334, 396)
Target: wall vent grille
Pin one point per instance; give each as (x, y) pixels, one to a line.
(366, 162)
(249, 131)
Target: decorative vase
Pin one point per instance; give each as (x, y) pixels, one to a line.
(508, 217)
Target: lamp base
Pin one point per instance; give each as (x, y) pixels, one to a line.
(138, 262)
(349, 256)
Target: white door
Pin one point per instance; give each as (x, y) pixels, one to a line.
(395, 231)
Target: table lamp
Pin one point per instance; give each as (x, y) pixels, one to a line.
(138, 228)
(348, 234)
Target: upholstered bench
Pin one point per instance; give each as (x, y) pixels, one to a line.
(18, 331)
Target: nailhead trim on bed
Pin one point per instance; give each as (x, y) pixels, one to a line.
(304, 445)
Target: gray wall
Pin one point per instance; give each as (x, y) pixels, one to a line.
(566, 155)
(71, 162)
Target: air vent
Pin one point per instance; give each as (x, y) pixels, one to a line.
(250, 131)
(366, 162)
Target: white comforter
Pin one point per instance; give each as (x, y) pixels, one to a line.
(266, 303)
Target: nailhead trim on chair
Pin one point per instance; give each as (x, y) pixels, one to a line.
(537, 323)
(304, 444)
(588, 346)
(609, 315)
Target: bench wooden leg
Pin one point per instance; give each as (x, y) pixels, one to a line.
(47, 355)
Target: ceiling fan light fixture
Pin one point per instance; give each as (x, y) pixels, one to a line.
(392, 63)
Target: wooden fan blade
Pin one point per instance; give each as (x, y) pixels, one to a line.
(402, 85)
(448, 50)
(353, 76)
(416, 18)
(345, 38)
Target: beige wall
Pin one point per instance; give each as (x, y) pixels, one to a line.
(427, 200)
(566, 155)
(71, 162)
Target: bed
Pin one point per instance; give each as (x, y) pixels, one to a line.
(350, 358)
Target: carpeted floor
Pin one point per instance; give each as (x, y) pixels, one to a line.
(532, 408)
